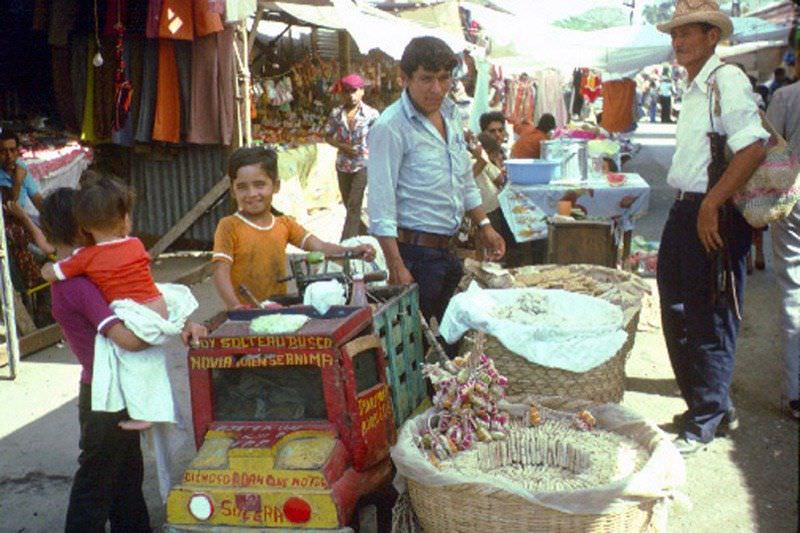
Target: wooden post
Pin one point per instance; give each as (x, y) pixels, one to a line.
(314, 41)
(344, 53)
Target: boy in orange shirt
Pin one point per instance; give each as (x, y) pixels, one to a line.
(250, 245)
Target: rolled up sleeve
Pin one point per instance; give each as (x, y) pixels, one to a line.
(740, 118)
(472, 194)
(383, 168)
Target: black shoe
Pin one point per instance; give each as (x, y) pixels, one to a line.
(729, 422)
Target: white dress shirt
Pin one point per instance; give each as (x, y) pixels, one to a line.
(739, 120)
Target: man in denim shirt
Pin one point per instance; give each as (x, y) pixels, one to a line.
(420, 180)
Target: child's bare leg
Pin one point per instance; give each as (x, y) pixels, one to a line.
(135, 425)
(159, 305)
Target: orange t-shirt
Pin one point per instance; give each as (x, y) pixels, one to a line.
(257, 254)
(527, 146)
(119, 268)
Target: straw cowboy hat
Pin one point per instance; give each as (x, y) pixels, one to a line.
(698, 11)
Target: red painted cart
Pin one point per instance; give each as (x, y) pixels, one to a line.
(292, 430)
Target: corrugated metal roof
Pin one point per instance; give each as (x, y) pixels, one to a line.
(167, 188)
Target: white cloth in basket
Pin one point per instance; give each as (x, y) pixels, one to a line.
(576, 333)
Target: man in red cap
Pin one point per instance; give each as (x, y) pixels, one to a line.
(347, 130)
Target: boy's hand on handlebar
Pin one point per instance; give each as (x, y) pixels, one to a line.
(365, 251)
(192, 333)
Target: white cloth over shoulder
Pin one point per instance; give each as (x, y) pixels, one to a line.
(139, 381)
(575, 332)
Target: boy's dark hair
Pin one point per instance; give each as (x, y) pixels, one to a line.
(102, 203)
(430, 53)
(266, 158)
(547, 122)
(57, 219)
(489, 143)
(492, 116)
(8, 134)
(612, 165)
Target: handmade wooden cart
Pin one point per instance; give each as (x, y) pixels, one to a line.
(293, 431)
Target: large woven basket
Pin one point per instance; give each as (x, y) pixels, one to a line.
(466, 508)
(480, 507)
(604, 383)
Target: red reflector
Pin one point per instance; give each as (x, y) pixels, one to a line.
(297, 510)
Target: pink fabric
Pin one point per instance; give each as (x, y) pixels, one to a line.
(42, 163)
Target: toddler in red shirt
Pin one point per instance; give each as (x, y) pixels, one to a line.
(117, 263)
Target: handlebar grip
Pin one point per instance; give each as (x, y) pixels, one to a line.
(378, 275)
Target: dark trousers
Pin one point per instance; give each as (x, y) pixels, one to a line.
(351, 186)
(437, 272)
(700, 334)
(666, 108)
(108, 484)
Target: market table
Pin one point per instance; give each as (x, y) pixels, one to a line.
(526, 208)
(57, 167)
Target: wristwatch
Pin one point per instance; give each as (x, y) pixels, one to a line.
(484, 222)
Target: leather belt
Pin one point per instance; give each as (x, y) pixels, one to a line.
(420, 238)
(690, 196)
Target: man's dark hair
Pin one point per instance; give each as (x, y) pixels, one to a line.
(706, 27)
(492, 116)
(547, 123)
(56, 218)
(103, 203)
(489, 143)
(612, 165)
(7, 134)
(430, 53)
(780, 72)
(266, 158)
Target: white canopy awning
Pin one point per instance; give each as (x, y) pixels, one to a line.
(369, 27)
(519, 44)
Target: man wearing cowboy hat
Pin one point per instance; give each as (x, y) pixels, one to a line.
(700, 331)
(347, 130)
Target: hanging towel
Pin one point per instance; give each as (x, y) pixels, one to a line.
(618, 97)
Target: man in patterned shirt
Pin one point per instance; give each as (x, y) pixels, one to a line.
(347, 130)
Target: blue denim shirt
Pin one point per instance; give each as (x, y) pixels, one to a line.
(417, 180)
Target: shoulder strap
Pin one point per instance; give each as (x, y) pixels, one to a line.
(711, 81)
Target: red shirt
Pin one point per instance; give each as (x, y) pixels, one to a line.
(119, 268)
(527, 146)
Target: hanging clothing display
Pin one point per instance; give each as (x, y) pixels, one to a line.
(153, 18)
(147, 95)
(520, 100)
(549, 96)
(176, 21)
(167, 120)
(79, 47)
(206, 21)
(104, 101)
(87, 124)
(211, 109)
(577, 99)
(591, 86)
(618, 98)
(62, 86)
(183, 60)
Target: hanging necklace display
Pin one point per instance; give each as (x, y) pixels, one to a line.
(123, 91)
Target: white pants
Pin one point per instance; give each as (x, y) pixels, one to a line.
(786, 249)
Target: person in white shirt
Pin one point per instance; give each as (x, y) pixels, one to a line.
(700, 328)
(784, 114)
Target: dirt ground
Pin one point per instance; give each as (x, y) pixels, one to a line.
(747, 481)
